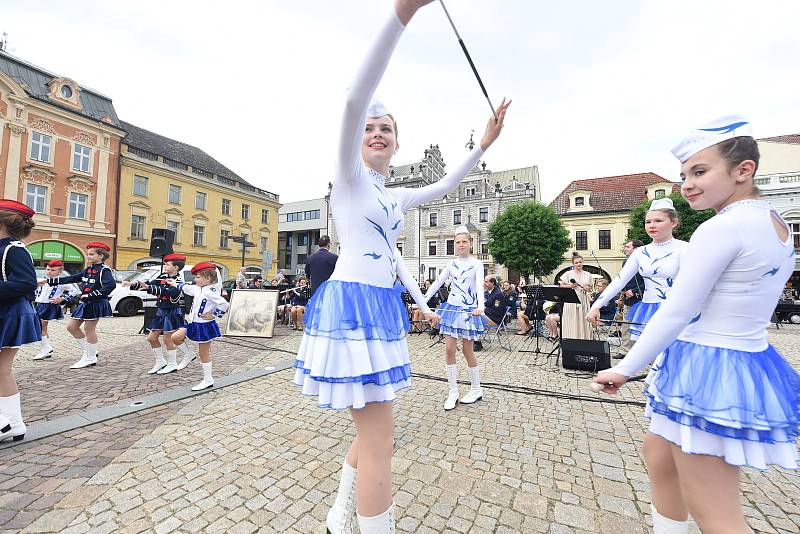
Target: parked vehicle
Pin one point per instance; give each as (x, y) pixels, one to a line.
(789, 311)
(127, 302)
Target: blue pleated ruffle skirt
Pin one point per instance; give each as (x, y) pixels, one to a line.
(741, 406)
(353, 350)
(456, 322)
(19, 324)
(168, 320)
(89, 311)
(203, 332)
(49, 312)
(641, 312)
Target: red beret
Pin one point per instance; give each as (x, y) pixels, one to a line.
(56, 263)
(174, 257)
(97, 244)
(16, 207)
(202, 266)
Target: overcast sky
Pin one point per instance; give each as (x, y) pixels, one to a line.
(599, 88)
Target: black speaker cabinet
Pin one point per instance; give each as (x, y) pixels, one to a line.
(585, 354)
(161, 242)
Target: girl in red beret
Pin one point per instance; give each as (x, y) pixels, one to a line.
(19, 323)
(208, 304)
(96, 284)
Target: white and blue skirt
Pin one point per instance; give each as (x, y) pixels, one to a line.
(353, 350)
(92, 310)
(168, 320)
(19, 323)
(458, 322)
(741, 406)
(641, 312)
(203, 332)
(49, 312)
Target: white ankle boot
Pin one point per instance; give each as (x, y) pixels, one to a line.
(208, 379)
(380, 524)
(665, 525)
(88, 359)
(452, 381)
(160, 361)
(188, 356)
(475, 393)
(47, 350)
(341, 517)
(11, 410)
(171, 365)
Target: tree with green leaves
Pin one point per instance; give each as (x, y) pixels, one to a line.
(528, 237)
(689, 219)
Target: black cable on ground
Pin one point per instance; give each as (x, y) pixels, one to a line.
(533, 391)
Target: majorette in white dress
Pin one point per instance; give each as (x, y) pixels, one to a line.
(720, 388)
(658, 263)
(466, 294)
(353, 349)
(205, 299)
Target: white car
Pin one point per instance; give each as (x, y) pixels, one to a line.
(127, 302)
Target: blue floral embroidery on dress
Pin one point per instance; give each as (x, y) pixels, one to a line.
(662, 257)
(374, 255)
(695, 319)
(772, 272)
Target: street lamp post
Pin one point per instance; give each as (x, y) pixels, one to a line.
(245, 244)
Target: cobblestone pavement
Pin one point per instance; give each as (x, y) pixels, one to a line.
(258, 456)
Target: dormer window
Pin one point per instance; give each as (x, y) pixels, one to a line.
(579, 201)
(660, 193)
(66, 91)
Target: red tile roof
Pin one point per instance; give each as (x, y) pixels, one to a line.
(611, 193)
(793, 139)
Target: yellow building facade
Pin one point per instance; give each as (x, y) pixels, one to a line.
(596, 214)
(170, 185)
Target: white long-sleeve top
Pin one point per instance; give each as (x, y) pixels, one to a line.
(732, 274)
(466, 288)
(658, 263)
(410, 284)
(206, 299)
(46, 292)
(368, 216)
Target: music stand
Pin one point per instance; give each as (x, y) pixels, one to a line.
(560, 295)
(535, 294)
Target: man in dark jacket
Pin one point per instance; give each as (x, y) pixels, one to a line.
(494, 305)
(320, 265)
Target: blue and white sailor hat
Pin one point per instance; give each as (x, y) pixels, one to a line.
(714, 132)
(377, 109)
(462, 230)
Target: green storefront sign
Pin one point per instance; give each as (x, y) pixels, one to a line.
(55, 250)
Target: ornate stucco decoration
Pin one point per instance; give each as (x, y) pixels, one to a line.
(65, 91)
(43, 125)
(38, 176)
(84, 138)
(16, 129)
(80, 184)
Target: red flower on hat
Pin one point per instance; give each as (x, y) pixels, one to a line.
(16, 207)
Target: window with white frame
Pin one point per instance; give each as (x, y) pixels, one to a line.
(484, 248)
(226, 206)
(81, 157)
(200, 200)
(36, 197)
(795, 227)
(660, 193)
(264, 244)
(483, 214)
(40, 146)
(174, 194)
(604, 239)
(431, 273)
(198, 235)
(175, 226)
(579, 201)
(224, 236)
(400, 248)
(140, 185)
(77, 205)
(450, 247)
(245, 211)
(433, 218)
(581, 240)
(137, 226)
(456, 217)
(264, 216)
(470, 191)
(431, 248)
